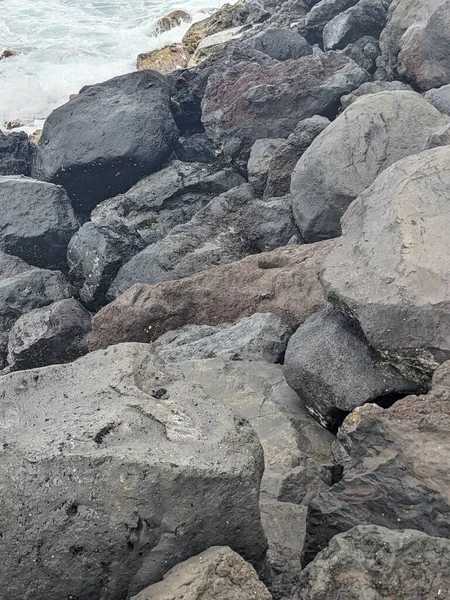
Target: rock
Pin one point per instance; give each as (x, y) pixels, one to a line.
(261, 154)
(196, 148)
(11, 265)
(440, 98)
(283, 282)
(397, 475)
(14, 154)
(360, 563)
(211, 45)
(424, 57)
(373, 87)
(50, 335)
(288, 14)
(95, 254)
(107, 138)
(230, 227)
(34, 138)
(280, 44)
(367, 17)
(13, 124)
(216, 574)
(8, 54)
(163, 60)
(119, 437)
(320, 14)
(371, 134)
(438, 138)
(36, 221)
(159, 202)
(332, 368)
(287, 155)
(258, 337)
(392, 280)
(251, 101)
(28, 289)
(172, 20)
(365, 52)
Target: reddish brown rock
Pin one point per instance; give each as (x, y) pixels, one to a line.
(284, 282)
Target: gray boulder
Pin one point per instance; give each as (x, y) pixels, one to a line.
(371, 134)
(14, 154)
(50, 335)
(12, 265)
(263, 336)
(172, 196)
(365, 52)
(110, 441)
(261, 154)
(107, 138)
(440, 98)
(368, 17)
(390, 269)
(320, 14)
(441, 137)
(332, 368)
(36, 221)
(196, 148)
(361, 562)
(280, 44)
(373, 87)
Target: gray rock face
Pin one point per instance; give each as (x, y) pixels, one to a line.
(320, 14)
(396, 473)
(12, 265)
(438, 138)
(261, 154)
(368, 17)
(360, 563)
(14, 154)
(263, 336)
(440, 98)
(95, 254)
(50, 335)
(36, 221)
(109, 441)
(365, 52)
(373, 87)
(330, 365)
(371, 134)
(216, 574)
(280, 44)
(172, 196)
(107, 138)
(196, 148)
(390, 268)
(424, 57)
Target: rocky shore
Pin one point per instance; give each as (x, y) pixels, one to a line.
(225, 317)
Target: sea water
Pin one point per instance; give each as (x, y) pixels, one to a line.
(66, 44)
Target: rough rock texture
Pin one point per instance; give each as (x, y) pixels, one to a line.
(12, 265)
(440, 98)
(378, 563)
(283, 282)
(365, 52)
(280, 44)
(212, 45)
(330, 365)
(172, 20)
(391, 267)
(261, 154)
(371, 134)
(50, 335)
(424, 57)
(397, 473)
(196, 148)
(216, 574)
(258, 337)
(441, 137)
(373, 87)
(163, 60)
(109, 136)
(14, 154)
(368, 17)
(320, 14)
(287, 155)
(36, 221)
(167, 198)
(251, 101)
(120, 436)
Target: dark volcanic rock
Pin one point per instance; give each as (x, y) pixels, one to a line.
(109, 136)
(332, 368)
(196, 148)
(397, 473)
(368, 17)
(280, 44)
(261, 154)
(14, 154)
(106, 445)
(378, 563)
(12, 265)
(365, 52)
(320, 14)
(50, 335)
(36, 221)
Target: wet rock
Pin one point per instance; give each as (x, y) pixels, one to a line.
(163, 60)
(261, 154)
(14, 154)
(283, 282)
(438, 138)
(367, 17)
(373, 87)
(320, 14)
(107, 138)
(107, 424)
(8, 54)
(280, 44)
(258, 337)
(440, 98)
(172, 20)
(365, 52)
(50, 335)
(216, 574)
(371, 134)
(36, 221)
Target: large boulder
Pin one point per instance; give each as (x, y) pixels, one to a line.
(216, 574)
(99, 455)
(396, 469)
(107, 138)
(320, 14)
(391, 267)
(284, 282)
(36, 221)
(378, 563)
(368, 17)
(373, 87)
(440, 98)
(261, 154)
(163, 60)
(371, 134)
(14, 154)
(280, 44)
(365, 52)
(424, 57)
(251, 101)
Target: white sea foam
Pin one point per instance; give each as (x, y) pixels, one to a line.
(66, 44)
